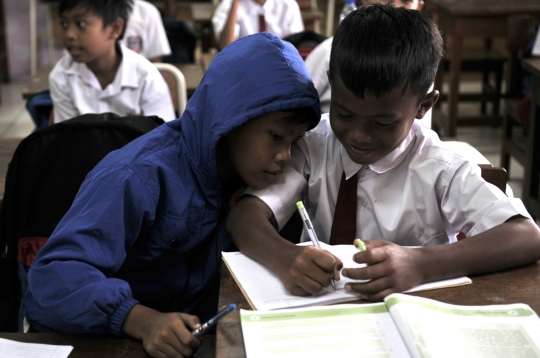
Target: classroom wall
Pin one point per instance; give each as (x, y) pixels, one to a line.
(18, 37)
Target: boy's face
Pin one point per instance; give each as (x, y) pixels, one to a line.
(84, 36)
(371, 128)
(260, 148)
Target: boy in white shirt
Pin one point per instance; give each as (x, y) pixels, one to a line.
(410, 189)
(145, 32)
(318, 60)
(100, 75)
(234, 19)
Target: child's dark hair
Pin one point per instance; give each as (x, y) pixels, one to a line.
(108, 10)
(303, 115)
(381, 47)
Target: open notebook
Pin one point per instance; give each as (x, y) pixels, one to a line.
(402, 326)
(264, 290)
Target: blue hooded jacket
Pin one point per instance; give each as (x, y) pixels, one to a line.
(146, 224)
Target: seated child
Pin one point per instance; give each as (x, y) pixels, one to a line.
(99, 74)
(410, 189)
(318, 60)
(138, 253)
(234, 19)
(145, 32)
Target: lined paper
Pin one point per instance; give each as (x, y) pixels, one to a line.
(14, 349)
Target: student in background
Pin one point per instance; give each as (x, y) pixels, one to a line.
(234, 19)
(99, 74)
(318, 60)
(145, 32)
(138, 253)
(410, 189)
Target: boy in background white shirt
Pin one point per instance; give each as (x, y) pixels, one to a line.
(145, 32)
(234, 19)
(100, 75)
(410, 189)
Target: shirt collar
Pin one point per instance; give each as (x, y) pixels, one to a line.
(125, 75)
(392, 160)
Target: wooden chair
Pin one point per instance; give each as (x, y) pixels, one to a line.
(177, 86)
(520, 33)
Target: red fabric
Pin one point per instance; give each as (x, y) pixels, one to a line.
(262, 23)
(344, 224)
(28, 248)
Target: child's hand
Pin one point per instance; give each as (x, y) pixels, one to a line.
(163, 334)
(307, 270)
(392, 269)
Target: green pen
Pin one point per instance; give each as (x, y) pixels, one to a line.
(360, 244)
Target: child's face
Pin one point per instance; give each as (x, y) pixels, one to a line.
(371, 128)
(84, 36)
(260, 148)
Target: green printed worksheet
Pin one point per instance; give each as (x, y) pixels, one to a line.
(402, 326)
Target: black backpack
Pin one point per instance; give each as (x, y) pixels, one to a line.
(42, 180)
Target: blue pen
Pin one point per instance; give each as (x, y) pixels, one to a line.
(212, 321)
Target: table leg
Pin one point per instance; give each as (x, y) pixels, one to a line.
(531, 179)
(453, 91)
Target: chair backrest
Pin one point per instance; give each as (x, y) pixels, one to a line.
(495, 175)
(177, 85)
(42, 180)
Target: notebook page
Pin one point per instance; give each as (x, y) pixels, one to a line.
(14, 349)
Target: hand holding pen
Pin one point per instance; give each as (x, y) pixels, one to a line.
(311, 231)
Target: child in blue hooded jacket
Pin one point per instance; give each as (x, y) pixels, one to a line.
(142, 240)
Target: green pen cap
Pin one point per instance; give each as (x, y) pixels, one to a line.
(299, 205)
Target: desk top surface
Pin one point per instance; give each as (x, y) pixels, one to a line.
(488, 7)
(90, 346)
(518, 285)
(532, 65)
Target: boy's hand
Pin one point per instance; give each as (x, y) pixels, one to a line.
(392, 269)
(163, 334)
(307, 270)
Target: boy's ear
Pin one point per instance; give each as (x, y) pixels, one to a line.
(117, 26)
(427, 103)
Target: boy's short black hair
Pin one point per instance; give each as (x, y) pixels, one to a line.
(302, 115)
(108, 10)
(381, 47)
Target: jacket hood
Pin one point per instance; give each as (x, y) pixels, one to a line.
(254, 75)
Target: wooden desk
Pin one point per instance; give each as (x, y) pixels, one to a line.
(193, 73)
(88, 346)
(519, 285)
(472, 18)
(531, 179)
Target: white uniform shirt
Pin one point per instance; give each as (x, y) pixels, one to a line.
(145, 33)
(318, 63)
(420, 194)
(138, 89)
(282, 17)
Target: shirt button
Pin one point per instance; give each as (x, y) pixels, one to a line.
(174, 243)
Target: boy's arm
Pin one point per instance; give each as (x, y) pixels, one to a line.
(61, 95)
(227, 34)
(394, 268)
(304, 270)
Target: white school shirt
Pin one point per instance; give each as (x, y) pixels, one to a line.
(422, 193)
(145, 33)
(138, 89)
(318, 63)
(282, 17)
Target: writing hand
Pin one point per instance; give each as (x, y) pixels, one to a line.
(392, 269)
(163, 334)
(306, 270)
